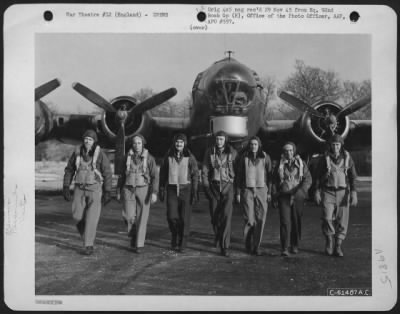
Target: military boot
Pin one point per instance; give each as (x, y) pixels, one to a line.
(338, 248)
(329, 245)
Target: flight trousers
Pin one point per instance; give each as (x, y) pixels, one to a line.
(290, 214)
(136, 212)
(221, 205)
(179, 213)
(335, 212)
(255, 206)
(86, 208)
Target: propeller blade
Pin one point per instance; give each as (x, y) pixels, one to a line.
(46, 88)
(120, 151)
(355, 105)
(153, 101)
(93, 97)
(299, 104)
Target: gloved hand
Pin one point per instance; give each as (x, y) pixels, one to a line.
(153, 198)
(161, 195)
(317, 197)
(106, 198)
(274, 200)
(353, 198)
(238, 198)
(118, 196)
(149, 195)
(66, 193)
(194, 196)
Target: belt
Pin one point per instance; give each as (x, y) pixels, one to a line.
(218, 182)
(221, 184)
(179, 187)
(331, 188)
(82, 186)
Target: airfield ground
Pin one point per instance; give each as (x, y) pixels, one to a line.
(115, 270)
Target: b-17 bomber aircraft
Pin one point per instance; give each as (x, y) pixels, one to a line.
(43, 116)
(227, 96)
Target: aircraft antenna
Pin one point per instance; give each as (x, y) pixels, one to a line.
(229, 53)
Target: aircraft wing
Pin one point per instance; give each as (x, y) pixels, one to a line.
(275, 133)
(69, 128)
(171, 123)
(158, 131)
(278, 126)
(162, 132)
(360, 135)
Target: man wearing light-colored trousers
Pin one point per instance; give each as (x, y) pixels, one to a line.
(139, 190)
(336, 191)
(90, 168)
(253, 185)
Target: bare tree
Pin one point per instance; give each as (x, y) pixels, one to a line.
(312, 84)
(143, 94)
(275, 107)
(269, 87)
(163, 110)
(187, 105)
(355, 90)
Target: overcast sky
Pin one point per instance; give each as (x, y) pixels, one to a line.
(121, 64)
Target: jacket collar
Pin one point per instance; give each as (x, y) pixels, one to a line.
(227, 149)
(143, 154)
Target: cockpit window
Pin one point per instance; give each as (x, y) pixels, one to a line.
(233, 94)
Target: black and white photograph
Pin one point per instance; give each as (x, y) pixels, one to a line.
(204, 167)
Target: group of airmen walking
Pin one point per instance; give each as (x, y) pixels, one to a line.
(248, 178)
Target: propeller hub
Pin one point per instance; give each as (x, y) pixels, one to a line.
(121, 115)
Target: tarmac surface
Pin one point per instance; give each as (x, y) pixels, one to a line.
(113, 269)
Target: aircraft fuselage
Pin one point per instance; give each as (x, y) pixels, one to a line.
(227, 96)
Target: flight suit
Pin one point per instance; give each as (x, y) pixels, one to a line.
(292, 179)
(253, 183)
(137, 184)
(179, 177)
(92, 174)
(336, 179)
(217, 177)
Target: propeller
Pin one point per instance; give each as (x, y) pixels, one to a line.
(123, 115)
(355, 105)
(328, 121)
(93, 97)
(46, 88)
(299, 104)
(119, 150)
(152, 102)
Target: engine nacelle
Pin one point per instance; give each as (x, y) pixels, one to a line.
(316, 129)
(139, 124)
(43, 121)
